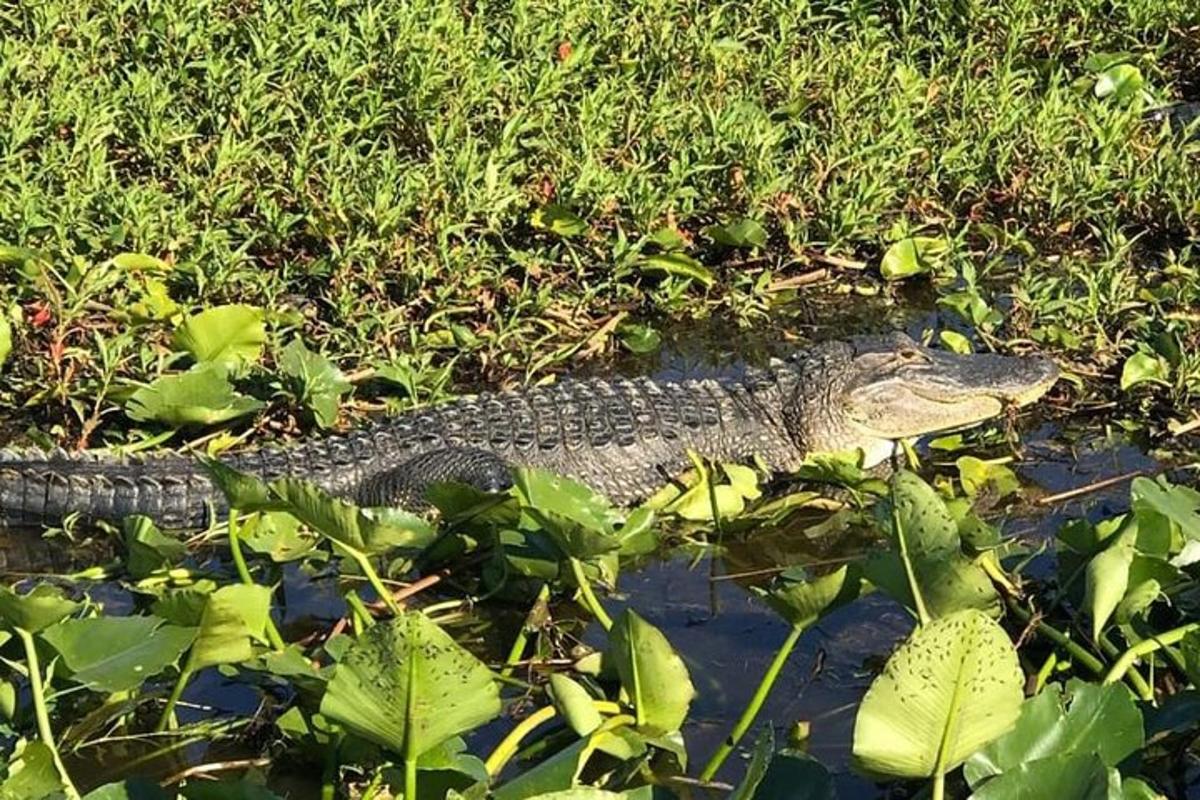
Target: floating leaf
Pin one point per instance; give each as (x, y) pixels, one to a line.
(200, 396)
(913, 255)
(651, 672)
(678, 265)
(559, 220)
(319, 384)
(40, 608)
(951, 688)
(1144, 368)
(744, 233)
(117, 654)
(407, 686)
(228, 335)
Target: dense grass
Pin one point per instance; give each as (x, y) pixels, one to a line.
(373, 166)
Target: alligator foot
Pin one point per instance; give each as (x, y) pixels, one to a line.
(405, 485)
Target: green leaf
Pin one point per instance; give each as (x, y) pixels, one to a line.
(201, 396)
(234, 617)
(1106, 581)
(972, 308)
(244, 492)
(228, 790)
(5, 339)
(956, 342)
(978, 476)
(1120, 82)
(407, 686)
(951, 688)
(319, 384)
(1101, 719)
(31, 774)
(228, 335)
(1144, 368)
(559, 220)
(745, 233)
(804, 601)
(1179, 504)
(651, 672)
(792, 775)
(678, 265)
(140, 262)
(640, 339)
(148, 548)
(1080, 776)
(913, 255)
(117, 654)
(574, 703)
(278, 536)
(40, 608)
(566, 498)
(368, 531)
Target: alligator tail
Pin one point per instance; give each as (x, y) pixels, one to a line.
(38, 488)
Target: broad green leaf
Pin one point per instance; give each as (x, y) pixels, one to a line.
(5, 338)
(243, 492)
(1101, 719)
(574, 703)
(952, 687)
(569, 499)
(368, 531)
(117, 654)
(1120, 82)
(184, 606)
(559, 220)
(792, 775)
(978, 476)
(1107, 579)
(804, 601)
(31, 774)
(669, 239)
(1180, 504)
(764, 749)
(971, 307)
(575, 540)
(147, 548)
(925, 522)
(407, 686)
(678, 265)
(227, 335)
(201, 396)
(234, 617)
(278, 536)
(1079, 776)
(318, 383)
(131, 789)
(554, 774)
(913, 255)
(1144, 368)
(40, 608)
(745, 233)
(651, 672)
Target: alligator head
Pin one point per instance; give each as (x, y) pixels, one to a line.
(869, 392)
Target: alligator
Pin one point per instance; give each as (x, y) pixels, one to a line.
(625, 437)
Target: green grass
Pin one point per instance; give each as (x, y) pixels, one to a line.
(368, 171)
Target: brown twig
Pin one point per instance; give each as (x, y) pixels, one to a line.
(1079, 491)
(214, 766)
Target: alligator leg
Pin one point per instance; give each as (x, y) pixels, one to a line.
(405, 485)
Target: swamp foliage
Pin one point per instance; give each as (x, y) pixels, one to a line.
(1079, 683)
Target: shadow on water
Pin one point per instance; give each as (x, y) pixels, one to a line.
(725, 635)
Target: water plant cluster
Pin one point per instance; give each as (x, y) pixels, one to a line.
(1079, 679)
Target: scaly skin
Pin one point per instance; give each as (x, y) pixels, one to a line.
(622, 437)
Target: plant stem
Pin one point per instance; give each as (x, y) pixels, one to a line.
(918, 600)
(1134, 677)
(1146, 647)
(756, 703)
(364, 564)
(589, 597)
(939, 786)
(39, 709)
(167, 720)
(512, 742)
(243, 571)
(522, 639)
(410, 779)
(1093, 664)
(359, 612)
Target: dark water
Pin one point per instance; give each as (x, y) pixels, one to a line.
(726, 637)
